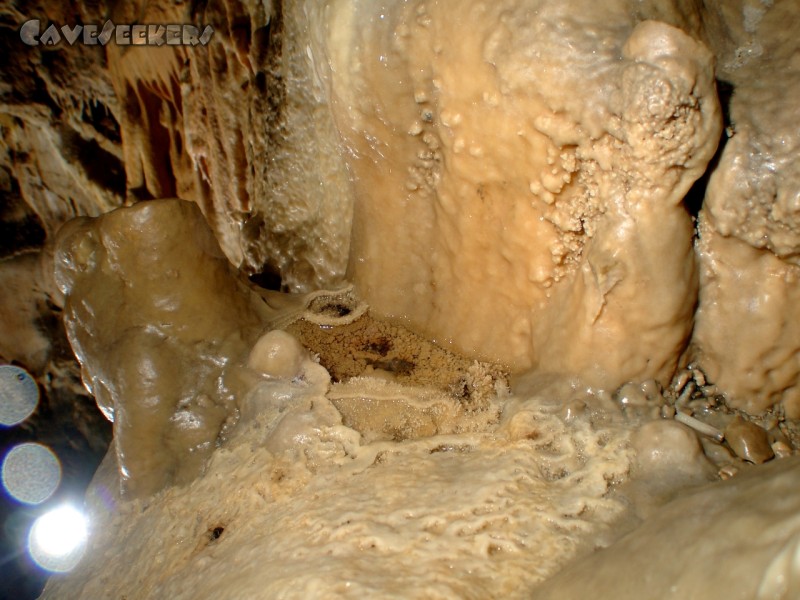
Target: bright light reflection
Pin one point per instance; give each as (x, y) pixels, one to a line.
(57, 540)
(31, 473)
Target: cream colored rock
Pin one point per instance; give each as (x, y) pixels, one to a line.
(518, 169)
(306, 507)
(748, 326)
(519, 172)
(747, 336)
(277, 354)
(664, 447)
(736, 540)
(669, 458)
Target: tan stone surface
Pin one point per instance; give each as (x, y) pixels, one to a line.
(747, 335)
(518, 186)
(736, 540)
(160, 324)
(517, 171)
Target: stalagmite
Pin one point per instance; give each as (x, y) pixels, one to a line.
(154, 318)
(748, 322)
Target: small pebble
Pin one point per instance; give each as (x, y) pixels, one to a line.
(666, 450)
(749, 441)
(277, 354)
(728, 471)
(681, 381)
(781, 449)
(716, 453)
(699, 377)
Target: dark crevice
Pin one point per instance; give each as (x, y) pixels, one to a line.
(197, 8)
(100, 166)
(140, 193)
(21, 229)
(260, 47)
(102, 120)
(178, 143)
(17, 68)
(18, 236)
(725, 92)
(165, 185)
(241, 34)
(268, 279)
(40, 95)
(693, 201)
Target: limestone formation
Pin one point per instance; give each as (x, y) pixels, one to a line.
(748, 322)
(538, 167)
(736, 539)
(591, 198)
(239, 127)
(518, 187)
(158, 322)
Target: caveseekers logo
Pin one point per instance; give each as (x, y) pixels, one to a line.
(123, 35)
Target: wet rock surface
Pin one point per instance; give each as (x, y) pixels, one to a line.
(155, 315)
(735, 539)
(277, 131)
(749, 441)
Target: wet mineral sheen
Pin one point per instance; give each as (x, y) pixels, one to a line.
(304, 487)
(517, 196)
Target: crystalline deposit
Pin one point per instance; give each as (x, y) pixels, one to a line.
(519, 172)
(748, 323)
(505, 186)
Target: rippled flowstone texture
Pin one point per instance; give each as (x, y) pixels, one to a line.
(515, 173)
(263, 477)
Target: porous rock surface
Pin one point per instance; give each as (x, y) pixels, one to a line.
(508, 179)
(748, 323)
(534, 165)
(518, 187)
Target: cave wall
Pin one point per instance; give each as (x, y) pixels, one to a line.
(61, 152)
(238, 127)
(748, 323)
(244, 127)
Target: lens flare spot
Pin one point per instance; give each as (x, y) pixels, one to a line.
(19, 395)
(57, 540)
(31, 473)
